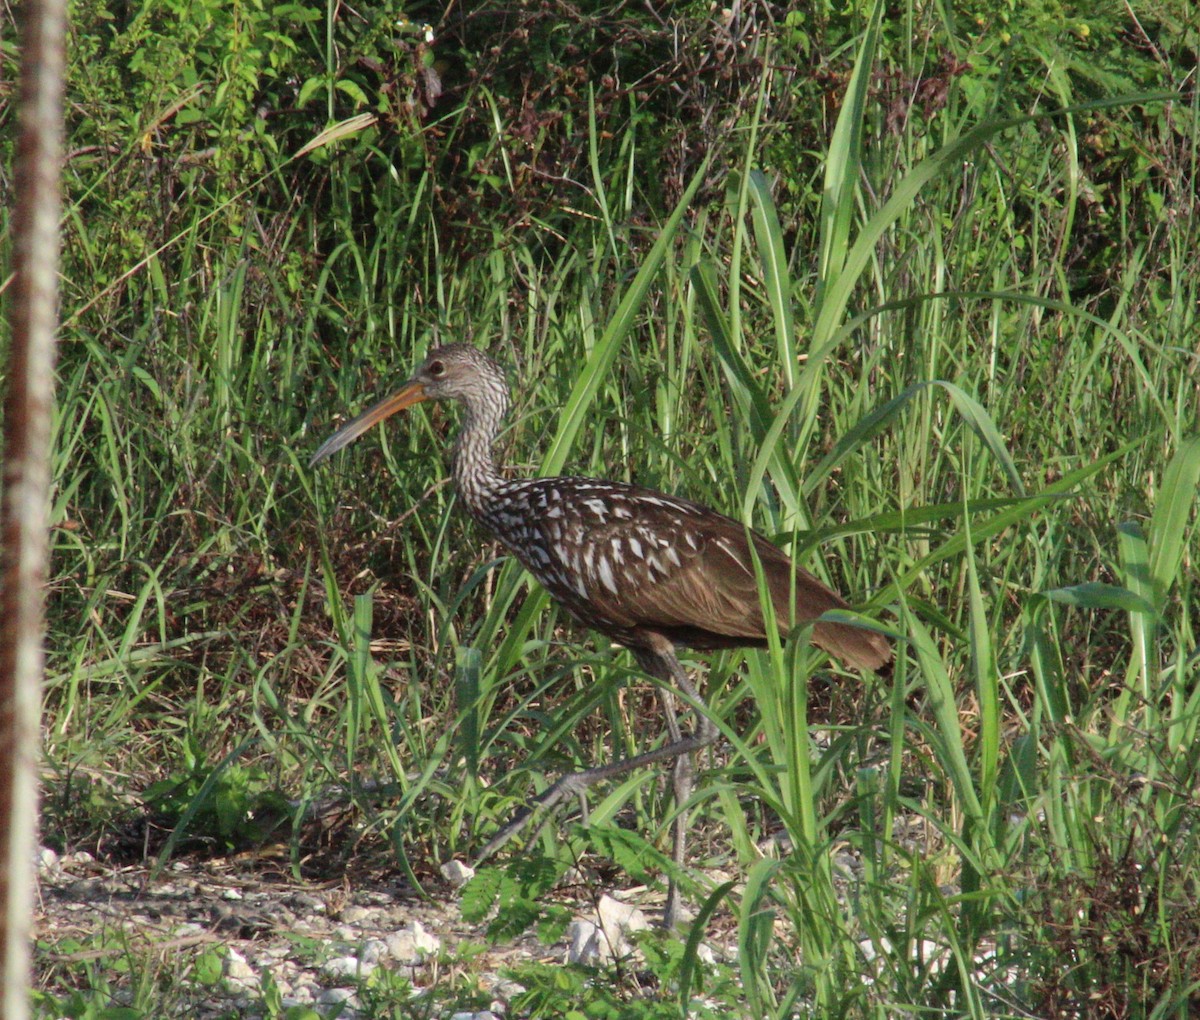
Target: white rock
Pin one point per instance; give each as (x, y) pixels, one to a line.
(373, 950)
(47, 861)
(778, 844)
(412, 944)
(457, 873)
(618, 921)
(182, 931)
(607, 938)
(335, 996)
(486, 1014)
(281, 954)
(306, 903)
(585, 943)
(933, 956)
(238, 973)
(232, 894)
(357, 915)
(505, 988)
(305, 991)
(342, 967)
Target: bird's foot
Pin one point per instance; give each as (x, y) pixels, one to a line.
(576, 783)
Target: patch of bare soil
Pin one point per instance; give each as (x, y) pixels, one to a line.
(316, 941)
(227, 936)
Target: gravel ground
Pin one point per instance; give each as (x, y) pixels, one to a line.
(237, 936)
(317, 942)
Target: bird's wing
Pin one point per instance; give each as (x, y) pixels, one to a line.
(702, 576)
(631, 559)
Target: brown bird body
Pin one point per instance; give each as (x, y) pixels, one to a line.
(637, 565)
(649, 570)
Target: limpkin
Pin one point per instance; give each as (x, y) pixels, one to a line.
(650, 571)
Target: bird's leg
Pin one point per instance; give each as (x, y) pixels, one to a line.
(681, 789)
(578, 782)
(662, 664)
(683, 776)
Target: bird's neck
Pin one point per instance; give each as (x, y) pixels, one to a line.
(475, 473)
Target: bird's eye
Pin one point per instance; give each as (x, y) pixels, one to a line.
(437, 369)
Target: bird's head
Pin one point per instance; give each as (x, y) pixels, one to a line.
(453, 372)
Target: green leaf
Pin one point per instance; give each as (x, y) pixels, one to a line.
(310, 86)
(756, 922)
(1097, 595)
(1172, 513)
(553, 924)
(634, 855)
(208, 966)
(480, 894)
(354, 91)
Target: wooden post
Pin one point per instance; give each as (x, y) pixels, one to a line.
(32, 311)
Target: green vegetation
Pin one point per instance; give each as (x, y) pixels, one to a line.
(915, 292)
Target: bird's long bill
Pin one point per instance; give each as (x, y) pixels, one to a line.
(408, 394)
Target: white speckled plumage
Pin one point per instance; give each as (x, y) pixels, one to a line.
(649, 570)
(639, 565)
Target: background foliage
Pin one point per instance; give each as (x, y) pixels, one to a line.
(912, 318)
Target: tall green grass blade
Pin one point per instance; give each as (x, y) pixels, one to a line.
(751, 400)
(467, 689)
(1173, 504)
(737, 201)
(983, 426)
(1135, 571)
(987, 685)
(358, 666)
(690, 966)
(769, 237)
(835, 298)
(756, 921)
(952, 752)
(875, 422)
(599, 188)
(1004, 519)
(843, 163)
(750, 397)
(970, 409)
(597, 368)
